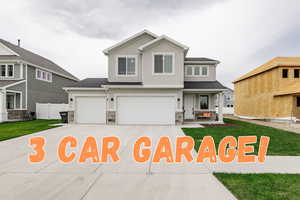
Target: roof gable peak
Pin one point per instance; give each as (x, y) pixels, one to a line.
(145, 31)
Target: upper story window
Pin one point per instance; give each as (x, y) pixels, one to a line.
(285, 73)
(296, 73)
(163, 63)
(196, 70)
(127, 65)
(7, 70)
(43, 75)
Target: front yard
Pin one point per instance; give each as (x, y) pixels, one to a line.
(16, 129)
(282, 143)
(262, 186)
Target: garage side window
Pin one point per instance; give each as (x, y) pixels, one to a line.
(126, 65)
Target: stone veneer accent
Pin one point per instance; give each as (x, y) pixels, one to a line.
(16, 114)
(111, 117)
(179, 118)
(71, 118)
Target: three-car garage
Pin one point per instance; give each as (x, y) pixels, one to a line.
(129, 110)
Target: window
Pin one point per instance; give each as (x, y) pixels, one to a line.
(126, 65)
(10, 101)
(298, 101)
(7, 70)
(285, 73)
(296, 73)
(196, 71)
(189, 71)
(163, 63)
(43, 75)
(3, 70)
(204, 102)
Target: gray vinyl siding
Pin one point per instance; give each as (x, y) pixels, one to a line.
(46, 92)
(211, 73)
(20, 88)
(130, 48)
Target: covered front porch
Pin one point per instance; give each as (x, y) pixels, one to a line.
(203, 107)
(11, 105)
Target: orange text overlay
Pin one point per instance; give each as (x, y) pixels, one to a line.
(163, 150)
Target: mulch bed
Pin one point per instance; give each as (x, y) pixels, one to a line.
(219, 125)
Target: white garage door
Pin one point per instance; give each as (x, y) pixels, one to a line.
(90, 110)
(146, 110)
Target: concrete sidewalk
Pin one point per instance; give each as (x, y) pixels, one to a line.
(123, 180)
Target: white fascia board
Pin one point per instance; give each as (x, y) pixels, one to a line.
(48, 70)
(81, 88)
(186, 48)
(8, 49)
(13, 84)
(145, 86)
(105, 51)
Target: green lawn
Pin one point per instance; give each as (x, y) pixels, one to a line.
(16, 129)
(282, 142)
(262, 186)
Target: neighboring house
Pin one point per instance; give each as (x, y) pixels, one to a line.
(271, 91)
(150, 81)
(228, 98)
(26, 79)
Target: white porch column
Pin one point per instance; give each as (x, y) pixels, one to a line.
(3, 111)
(220, 107)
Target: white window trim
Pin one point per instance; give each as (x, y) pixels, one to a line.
(163, 73)
(193, 70)
(41, 78)
(117, 65)
(6, 71)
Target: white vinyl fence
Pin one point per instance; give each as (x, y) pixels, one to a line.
(50, 110)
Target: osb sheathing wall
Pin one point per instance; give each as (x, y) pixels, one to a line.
(254, 96)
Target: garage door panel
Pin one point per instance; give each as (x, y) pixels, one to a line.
(146, 110)
(91, 110)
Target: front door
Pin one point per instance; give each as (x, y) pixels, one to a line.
(189, 106)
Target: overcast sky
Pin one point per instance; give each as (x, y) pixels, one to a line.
(242, 34)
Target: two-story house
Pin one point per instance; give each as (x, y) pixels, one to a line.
(271, 91)
(150, 81)
(26, 79)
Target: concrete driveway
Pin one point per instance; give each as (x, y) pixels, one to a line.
(123, 180)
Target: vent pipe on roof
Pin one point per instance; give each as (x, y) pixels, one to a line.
(19, 42)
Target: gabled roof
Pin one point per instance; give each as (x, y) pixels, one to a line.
(105, 51)
(275, 62)
(35, 60)
(164, 37)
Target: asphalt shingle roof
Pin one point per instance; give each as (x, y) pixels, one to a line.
(203, 85)
(202, 59)
(99, 82)
(35, 59)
